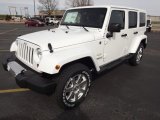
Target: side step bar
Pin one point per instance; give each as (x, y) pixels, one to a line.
(114, 63)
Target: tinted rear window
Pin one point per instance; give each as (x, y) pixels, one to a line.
(132, 19)
(142, 19)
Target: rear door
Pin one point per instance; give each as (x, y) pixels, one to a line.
(132, 28)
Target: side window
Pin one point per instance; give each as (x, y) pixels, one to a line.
(142, 19)
(118, 16)
(132, 19)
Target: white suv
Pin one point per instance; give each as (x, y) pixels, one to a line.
(88, 41)
(51, 21)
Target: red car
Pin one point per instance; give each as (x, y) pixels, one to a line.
(33, 22)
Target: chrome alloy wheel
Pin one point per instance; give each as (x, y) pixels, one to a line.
(139, 55)
(75, 88)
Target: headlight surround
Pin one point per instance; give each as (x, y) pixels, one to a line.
(14, 46)
(37, 55)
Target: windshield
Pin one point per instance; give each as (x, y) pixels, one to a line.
(86, 17)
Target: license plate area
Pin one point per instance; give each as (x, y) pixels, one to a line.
(14, 68)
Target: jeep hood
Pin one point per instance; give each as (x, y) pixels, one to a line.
(58, 37)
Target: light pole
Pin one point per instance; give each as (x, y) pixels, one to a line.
(34, 8)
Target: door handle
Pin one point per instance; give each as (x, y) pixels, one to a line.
(135, 33)
(124, 35)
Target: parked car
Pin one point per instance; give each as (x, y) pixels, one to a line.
(39, 18)
(34, 22)
(16, 18)
(149, 25)
(89, 40)
(51, 21)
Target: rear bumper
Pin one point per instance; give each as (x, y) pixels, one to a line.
(28, 79)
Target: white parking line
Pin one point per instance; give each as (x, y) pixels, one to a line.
(8, 31)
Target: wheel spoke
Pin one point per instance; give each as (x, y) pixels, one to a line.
(82, 84)
(139, 55)
(138, 58)
(73, 81)
(79, 78)
(69, 89)
(81, 90)
(70, 96)
(76, 96)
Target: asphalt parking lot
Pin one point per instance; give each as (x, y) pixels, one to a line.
(123, 93)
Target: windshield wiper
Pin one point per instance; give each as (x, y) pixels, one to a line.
(85, 29)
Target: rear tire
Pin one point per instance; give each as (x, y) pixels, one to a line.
(137, 57)
(73, 85)
(149, 29)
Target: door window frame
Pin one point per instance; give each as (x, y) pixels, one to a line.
(124, 19)
(129, 20)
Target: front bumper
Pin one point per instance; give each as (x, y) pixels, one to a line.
(26, 78)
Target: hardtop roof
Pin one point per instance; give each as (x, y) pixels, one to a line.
(109, 6)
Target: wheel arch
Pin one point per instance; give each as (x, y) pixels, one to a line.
(88, 61)
(144, 42)
(136, 42)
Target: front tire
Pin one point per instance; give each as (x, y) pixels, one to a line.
(73, 85)
(137, 57)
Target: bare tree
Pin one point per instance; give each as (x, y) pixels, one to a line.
(77, 3)
(48, 6)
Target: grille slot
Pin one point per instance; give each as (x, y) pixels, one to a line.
(25, 51)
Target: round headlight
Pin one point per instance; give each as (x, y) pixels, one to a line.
(37, 55)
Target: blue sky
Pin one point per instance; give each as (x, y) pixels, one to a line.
(152, 6)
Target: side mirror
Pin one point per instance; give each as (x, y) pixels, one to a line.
(114, 27)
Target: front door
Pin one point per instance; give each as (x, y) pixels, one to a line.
(114, 47)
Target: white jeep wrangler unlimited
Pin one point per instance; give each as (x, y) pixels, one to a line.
(87, 41)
